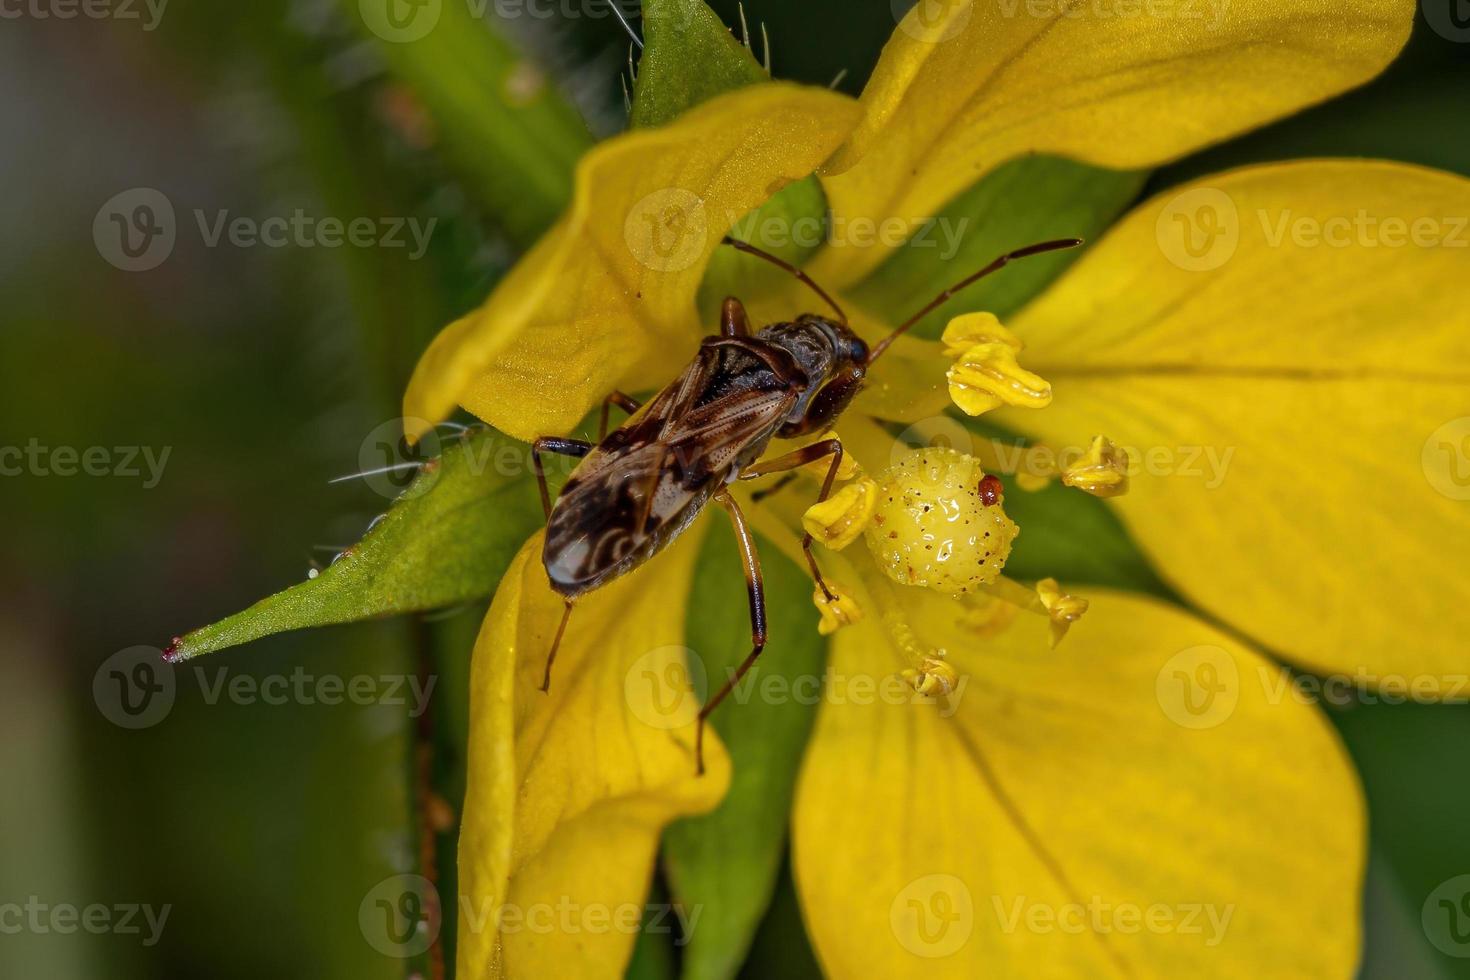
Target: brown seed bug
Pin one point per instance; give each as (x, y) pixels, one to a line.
(642, 485)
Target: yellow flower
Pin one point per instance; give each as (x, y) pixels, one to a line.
(1143, 765)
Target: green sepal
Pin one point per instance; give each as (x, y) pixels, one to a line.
(689, 57)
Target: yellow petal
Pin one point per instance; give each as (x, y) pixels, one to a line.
(1065, 813)
(607, 298)
(1297, 410)
(569, 790)
(965, 85)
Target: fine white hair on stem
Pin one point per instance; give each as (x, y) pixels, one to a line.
(622, 19)
(376, 471)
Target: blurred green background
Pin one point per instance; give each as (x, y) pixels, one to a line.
(262, 371)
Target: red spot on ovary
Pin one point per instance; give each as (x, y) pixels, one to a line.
(990, 490)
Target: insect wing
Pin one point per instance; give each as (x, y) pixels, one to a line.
(648, 480)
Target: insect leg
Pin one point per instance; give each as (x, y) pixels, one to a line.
(776, 487)
(555, 645)
(792, 460)
(756, 589)
(781, 263)
(554, 444)
(627, 404)
(733, 321)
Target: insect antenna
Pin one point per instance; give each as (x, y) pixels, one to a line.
(781, 263)
(1020, 253)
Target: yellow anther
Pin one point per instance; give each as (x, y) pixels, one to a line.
(846, 470)
(932, 677)
(839, 611)
(1063, 609)
(987, 376)
(1102, 471)
(970, 329)
(838, 520)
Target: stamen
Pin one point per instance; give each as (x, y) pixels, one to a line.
(1102, 471)
(988, 376)
(1063, 609)
(985, 374)
(839, 611)
(839, 520)
(933, 677)
(964, 332)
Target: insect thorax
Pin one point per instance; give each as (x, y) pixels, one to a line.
(820, 346)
